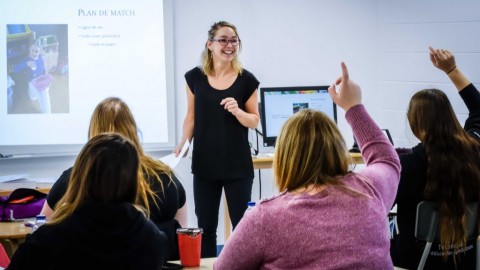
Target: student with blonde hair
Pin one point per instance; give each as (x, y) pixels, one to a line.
(96, 225)
(160, 192)
(326, 216)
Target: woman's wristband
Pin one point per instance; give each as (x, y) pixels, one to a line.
(448, 73)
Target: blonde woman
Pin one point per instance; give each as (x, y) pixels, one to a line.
(326, 217)
(222, 106)
(160, 193)
(96, 224)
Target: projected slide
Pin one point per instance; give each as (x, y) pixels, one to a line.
(64, 57)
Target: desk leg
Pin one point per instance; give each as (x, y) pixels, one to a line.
(228, 224)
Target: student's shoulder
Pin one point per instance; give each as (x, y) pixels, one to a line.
(273, 200)
(417, 153)
(64, 178)
(270, 210)
(67, 172)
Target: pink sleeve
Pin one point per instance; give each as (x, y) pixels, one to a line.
(383, 163)
(243, 250)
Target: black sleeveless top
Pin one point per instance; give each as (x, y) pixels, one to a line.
(220, 143)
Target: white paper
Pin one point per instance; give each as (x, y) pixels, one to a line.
(173, 161)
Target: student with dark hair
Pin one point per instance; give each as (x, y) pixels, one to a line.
(97, 225)
(444, 168)
(160, 193)
(326, 216)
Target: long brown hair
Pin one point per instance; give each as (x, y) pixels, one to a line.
(309, 150)
(207, 63)
(113, 115)
(106, 170)
(453, 173)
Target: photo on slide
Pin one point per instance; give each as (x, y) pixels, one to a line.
(37, 69)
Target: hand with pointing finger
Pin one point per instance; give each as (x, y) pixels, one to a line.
(348, 94)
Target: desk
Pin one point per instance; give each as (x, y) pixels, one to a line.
(262, 162)
(205, 263)
(265, 162)
(14, 230)
(12, 234)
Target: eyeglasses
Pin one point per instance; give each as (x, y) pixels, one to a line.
(224, 41)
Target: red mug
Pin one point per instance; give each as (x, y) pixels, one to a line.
(190, 246)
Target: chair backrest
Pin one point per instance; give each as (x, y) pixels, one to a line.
(427, 228)
(427, 225)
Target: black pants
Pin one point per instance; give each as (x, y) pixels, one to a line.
(207, 194)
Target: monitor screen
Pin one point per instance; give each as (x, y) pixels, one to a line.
(279, 103)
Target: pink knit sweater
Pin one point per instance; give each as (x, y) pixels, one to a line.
(333, 229)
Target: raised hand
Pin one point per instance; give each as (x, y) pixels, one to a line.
(349, 93)
(442, 59)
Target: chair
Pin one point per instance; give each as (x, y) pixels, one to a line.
(427, 229)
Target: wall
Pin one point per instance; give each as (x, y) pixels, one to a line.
(288, 43)
(405, 30)
(285, 43)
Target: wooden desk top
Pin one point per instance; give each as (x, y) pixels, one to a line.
(205, 263)
(266, 162)
(14, 230)
(262, 162)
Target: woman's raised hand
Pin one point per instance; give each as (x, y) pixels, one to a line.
(442, 59)
(349, 93)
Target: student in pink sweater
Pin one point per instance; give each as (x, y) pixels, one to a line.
(326, 217)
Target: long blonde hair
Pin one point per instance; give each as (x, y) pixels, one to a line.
(207, 62)
(113, 115)
(106, 170)
(309, 150)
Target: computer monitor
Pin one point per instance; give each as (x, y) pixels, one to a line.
(279, 103)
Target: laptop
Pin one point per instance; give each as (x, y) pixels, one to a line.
(356, 149)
